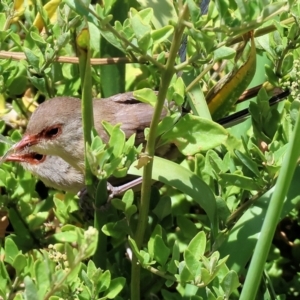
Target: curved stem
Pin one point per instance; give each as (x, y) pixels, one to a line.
(167, 75)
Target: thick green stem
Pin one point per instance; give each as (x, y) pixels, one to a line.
(100, 219)
(86, 103)
(167, 75)
(272, 216)
(88, 124)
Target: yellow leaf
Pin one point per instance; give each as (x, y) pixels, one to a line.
(83, 39)
(225, 93)
(51, 9)
(19, 8)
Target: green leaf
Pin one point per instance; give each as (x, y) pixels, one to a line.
(192, 263)
(66, 237)
(31, 292)
(194, 9)
(19, 297)
(42, 277)
(210, 295)
(162, 34)
(111, 38)
(163, 208)
(146, 95)
(33, 59)
(205, 276)
(91, 268)
(197, 245)
(163, 11)
(5, 277)
(139, 27)
(184, 180)
(88, 283)
(187, 227)
(11, 251)
(70, 255)
(38, 219)
(135, 249)
(145, 14)
(104, 281)
(271, 76)
(118, 204)
(272, 9)
(18, 85)
(161, 251)
(145, 42)
(63, 39)
(172, 268)
(199, 135)
(230, 283)
(39, 83)
(116, 229)
(224, 53)
(243, 182)
(128, 198)
(248, 162)
(117, 141)
(184, 273)
(130, 211)
(287, 64)
(166, 124)
(213, 162)
(213, 260)
(2, 21)
(157, 231)
(196, 100)
(115, 287)
(36, 37)
(20, 263)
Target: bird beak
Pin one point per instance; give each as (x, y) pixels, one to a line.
(17, 157)
(26, 141)
(30, 157)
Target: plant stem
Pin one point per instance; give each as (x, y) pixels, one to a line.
(231, 41)
(86, 102)
(272, 216)
(199, 77)
(167, 75)
(100, 219)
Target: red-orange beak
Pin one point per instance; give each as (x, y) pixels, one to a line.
(15, 157)
(26, 141)
(31, 157)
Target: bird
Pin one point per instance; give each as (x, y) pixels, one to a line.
(55, 127)
(53, 171)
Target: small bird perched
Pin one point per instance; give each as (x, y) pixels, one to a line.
(55, 128)
(53, 171)
(56, 173)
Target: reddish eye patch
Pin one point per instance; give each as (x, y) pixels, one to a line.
(30, 158)
(52, 132)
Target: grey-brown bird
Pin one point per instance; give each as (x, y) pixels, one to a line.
(53, 171)
(55, 127)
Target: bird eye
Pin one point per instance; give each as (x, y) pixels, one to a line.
(34, 158)
(52, 132)
(38, 156)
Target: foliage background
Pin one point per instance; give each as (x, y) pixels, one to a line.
(198, 231)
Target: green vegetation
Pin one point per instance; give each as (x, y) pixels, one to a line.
(224, 194)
